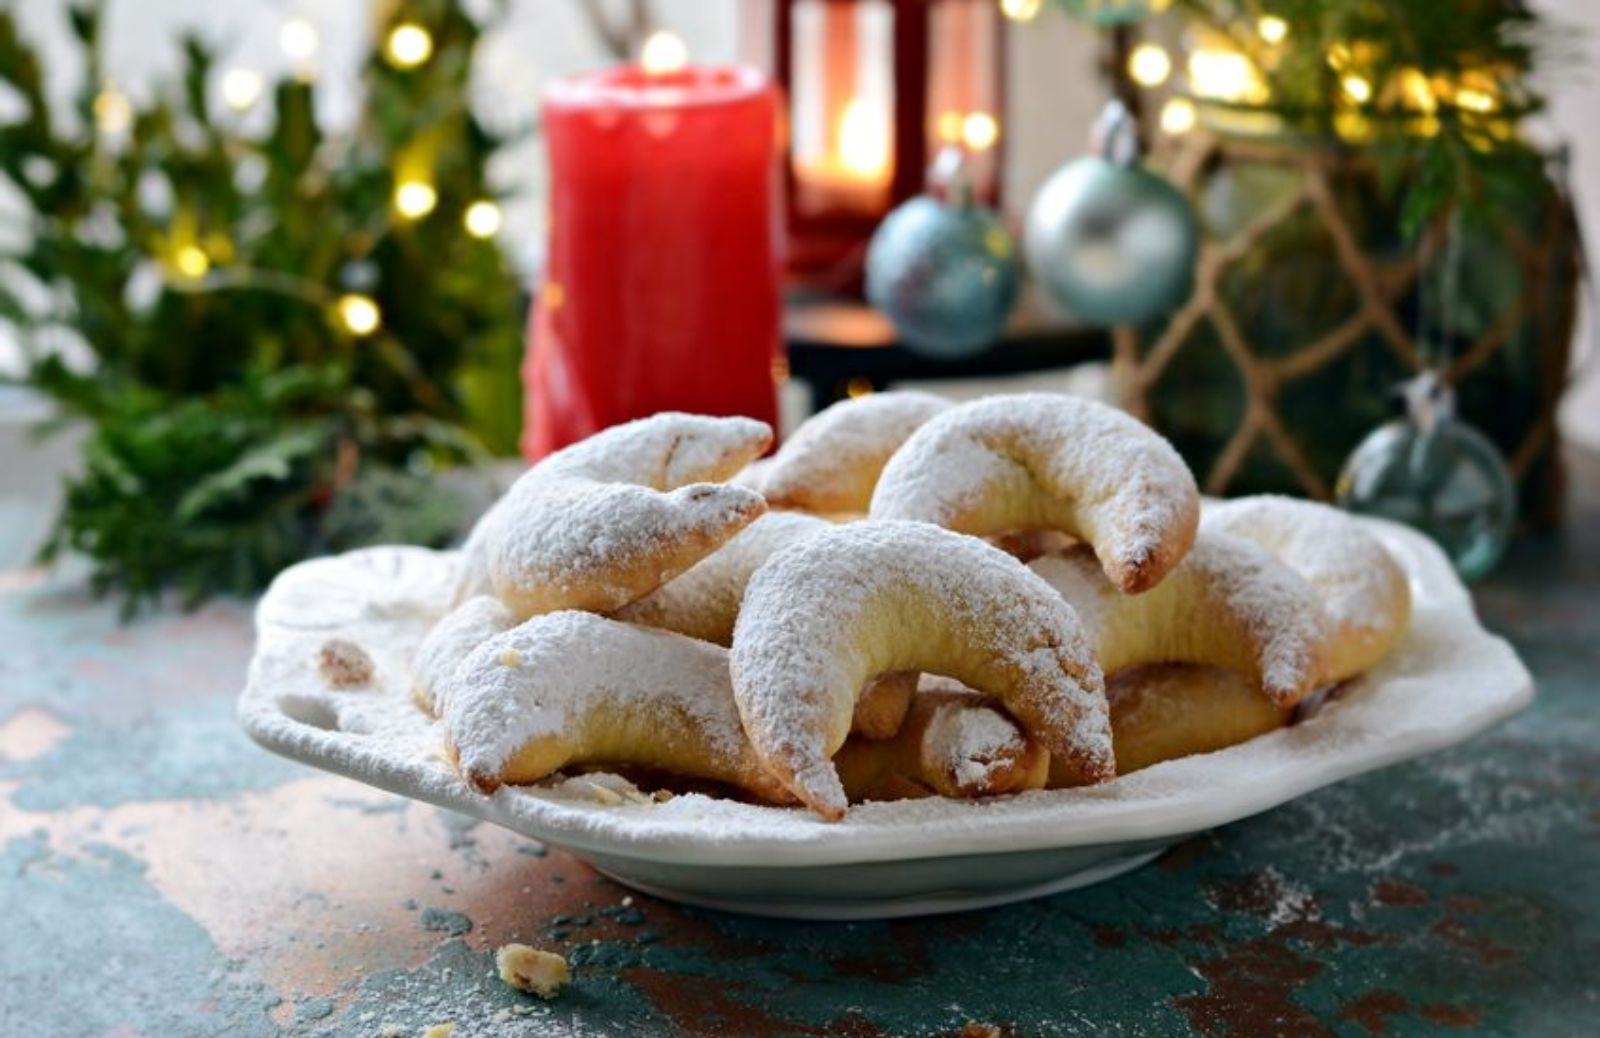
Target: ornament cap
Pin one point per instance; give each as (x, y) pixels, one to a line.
(1429, 400)
(1115, 136)
(949, 177)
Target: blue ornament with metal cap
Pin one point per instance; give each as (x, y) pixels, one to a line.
(1110, 241)
(943, 269)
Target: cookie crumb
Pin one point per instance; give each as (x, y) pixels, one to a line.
(604, 794)
(439, 1031)
(510, 658)
(528, 969)
(973, 1029)
(344, 664)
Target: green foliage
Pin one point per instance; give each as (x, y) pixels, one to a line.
(199, 257)
(1447, 85)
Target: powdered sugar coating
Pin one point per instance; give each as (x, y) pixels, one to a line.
(1032, 460)
(607, 520)
(847, 603)
(605, 691)
(833, 460)
(452, 640)
(753, 475)
(1364, 591)
(703, 601)
(1229, 602)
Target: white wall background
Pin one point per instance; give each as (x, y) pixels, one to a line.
(1574, 88)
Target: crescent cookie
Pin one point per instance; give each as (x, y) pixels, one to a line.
(832, 461)
(703, 601)
(572, 688)
(609, 519)
(450, 641)
(851, 602)
(953, 744)
(1167, 710)
(1230, 603)
(1364, 591)
(1044, 460)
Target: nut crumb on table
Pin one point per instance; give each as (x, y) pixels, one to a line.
(528, 969)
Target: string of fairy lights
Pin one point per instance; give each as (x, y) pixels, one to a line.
(193, 265)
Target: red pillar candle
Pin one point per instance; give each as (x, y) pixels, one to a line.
(662, 283)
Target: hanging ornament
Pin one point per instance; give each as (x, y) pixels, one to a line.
(1438, 475)
(943, 268)
(1430, 470)
(1110, 241)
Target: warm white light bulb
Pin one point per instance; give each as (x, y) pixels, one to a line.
(1149, 65)
(482, 219)
(241, 88)
(980, 130)
(192, 261)
(1177, 116)
(1272, 29)
(415, 199)
(663, 51)
(1021, 10)
(359, 314)
(113, 112)
(298, 38)
(1358, 89)
(409, 45)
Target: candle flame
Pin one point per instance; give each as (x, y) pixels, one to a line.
(663, 51)
(863, 144)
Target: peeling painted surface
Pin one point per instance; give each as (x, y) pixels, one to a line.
(161, 876)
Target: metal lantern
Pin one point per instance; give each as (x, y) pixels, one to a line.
(874, 89)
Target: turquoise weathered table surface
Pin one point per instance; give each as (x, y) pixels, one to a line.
(160, 875)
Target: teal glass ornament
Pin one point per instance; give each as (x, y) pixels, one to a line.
(1438, 475)
(944, 270)
(1110, 241)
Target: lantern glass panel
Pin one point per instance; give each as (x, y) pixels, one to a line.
(964, 102)
(842, 105)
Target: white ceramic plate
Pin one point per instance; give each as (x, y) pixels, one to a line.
(1447, 682)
